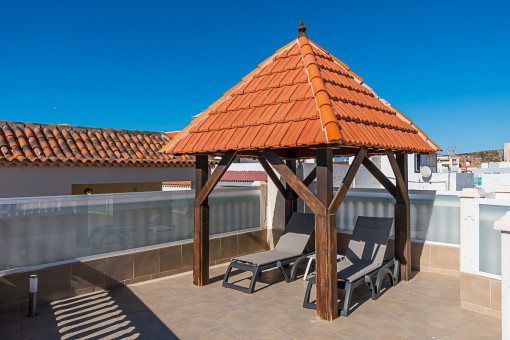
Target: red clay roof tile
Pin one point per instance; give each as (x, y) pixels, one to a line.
(295, 130)
(282, 111)
(70, 145)
(265, 132)
(249, 137)
(244, 176)
(268, 113)
(300, 96)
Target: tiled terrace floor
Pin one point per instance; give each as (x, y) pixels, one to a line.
(427, 307)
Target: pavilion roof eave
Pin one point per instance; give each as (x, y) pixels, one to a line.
(308, 151)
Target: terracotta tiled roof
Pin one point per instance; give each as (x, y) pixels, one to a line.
(244, 176)
(300, 96)
(26, 143)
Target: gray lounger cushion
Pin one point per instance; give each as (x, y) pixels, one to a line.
(366, 248)
(266, 257)
(291, 244)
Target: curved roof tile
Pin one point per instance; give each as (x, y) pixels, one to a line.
(37, 144)
(301, 96)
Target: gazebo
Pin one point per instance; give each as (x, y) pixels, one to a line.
(300, 103)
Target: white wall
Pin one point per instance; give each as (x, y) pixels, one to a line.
(438, 181)
(25, 181)
(491, 181)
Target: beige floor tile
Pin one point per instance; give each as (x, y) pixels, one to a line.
(172, 307)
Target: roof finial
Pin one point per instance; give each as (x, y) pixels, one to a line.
(302, 29)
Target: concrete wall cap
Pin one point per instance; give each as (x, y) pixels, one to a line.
(503, 223)
(503, 189)
(472, 193)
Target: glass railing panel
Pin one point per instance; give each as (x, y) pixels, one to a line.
(42, 230)
(490, 239)
(434, 217)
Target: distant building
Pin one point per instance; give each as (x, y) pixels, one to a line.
(176, 185)
(491, 175)
(47, 160)
(448, 163)
(441, 178)
(243, 174)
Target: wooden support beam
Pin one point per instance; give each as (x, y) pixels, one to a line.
(326, 240)
(377, 173)
(401, 178)
(402, 214)
(346, 183)
(290, 195)
(311, 177)
(201, 224)
(220, 170)
(306, 195)
(272, 175)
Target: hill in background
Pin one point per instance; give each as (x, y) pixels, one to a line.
(478, 157)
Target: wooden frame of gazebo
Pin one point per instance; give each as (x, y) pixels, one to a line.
(325, 206)
(333, 139)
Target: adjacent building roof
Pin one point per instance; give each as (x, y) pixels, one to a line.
(244, 176)
(301, 96)
(39, 144)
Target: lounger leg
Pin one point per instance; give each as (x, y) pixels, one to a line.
(307, 269)
(227, 274)
(347, 301)
(295, 267)
(254, 280)
(380, 277)
(255, 273)
(396, 272)
(371, 288)
(280, 266)
(306, 302)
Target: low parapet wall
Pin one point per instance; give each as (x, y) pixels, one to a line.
(99, 273)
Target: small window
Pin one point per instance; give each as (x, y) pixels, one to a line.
(429, 160)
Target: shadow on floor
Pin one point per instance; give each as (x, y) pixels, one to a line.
(266, 278)
(107, 314)
(360, 295)
(112, 314)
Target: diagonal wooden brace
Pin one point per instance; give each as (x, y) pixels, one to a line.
(220, 170)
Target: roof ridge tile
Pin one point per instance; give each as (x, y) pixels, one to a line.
(328, 118)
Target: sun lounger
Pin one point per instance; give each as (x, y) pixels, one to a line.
(363, 261)
(291, 247)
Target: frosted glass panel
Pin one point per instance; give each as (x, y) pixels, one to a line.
(434, 217)
(363, 204)
(490, 239)
(43, 230)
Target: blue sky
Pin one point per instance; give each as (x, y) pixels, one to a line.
(151, 65)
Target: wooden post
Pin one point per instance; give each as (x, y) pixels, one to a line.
(402, 218)
(201, 225)
(326, 240)
(310, 178)
(290, 195)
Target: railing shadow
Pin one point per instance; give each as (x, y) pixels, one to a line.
(116, 313)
